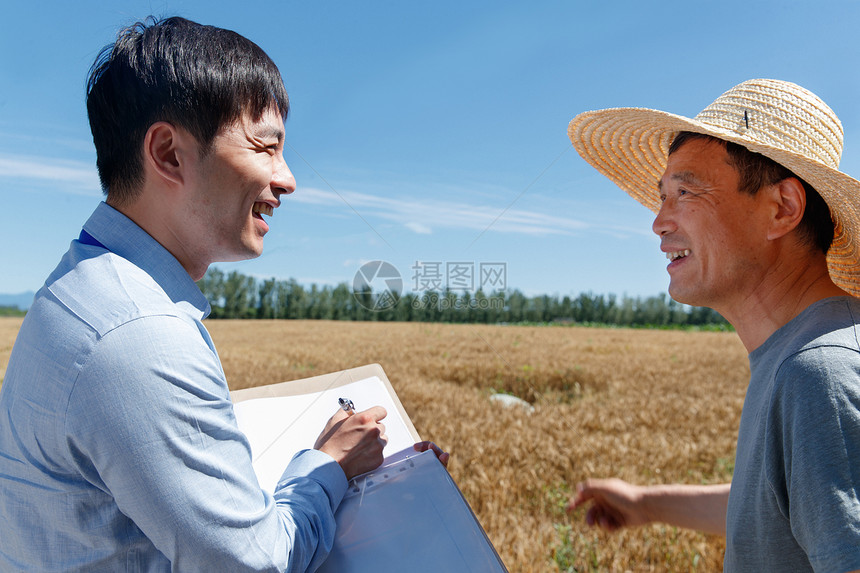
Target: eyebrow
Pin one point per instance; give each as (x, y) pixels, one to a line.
(271, 131)
(683, 177)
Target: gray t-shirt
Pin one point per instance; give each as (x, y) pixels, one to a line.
(794, 502)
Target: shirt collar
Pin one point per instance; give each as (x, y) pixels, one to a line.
(121, 236)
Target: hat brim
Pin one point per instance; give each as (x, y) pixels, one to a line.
(630, 146)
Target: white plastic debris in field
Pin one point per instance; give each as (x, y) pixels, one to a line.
(509, 401)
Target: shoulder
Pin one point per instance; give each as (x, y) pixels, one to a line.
(818, 379)
(105, 290)
(91, 294)
(816, 388)
(154, 372)
(816, 365)
(118, 325)
(823, 369)
(825, 335)
(831, 322)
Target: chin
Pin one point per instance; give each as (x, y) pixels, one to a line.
(243, 255)
(251, 254)
(679, 295)
(252, 248)
(692, 298)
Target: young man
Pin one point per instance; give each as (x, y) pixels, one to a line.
(758, 223)
(119, 450)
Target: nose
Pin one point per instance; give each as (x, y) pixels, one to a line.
(664, 223)
(283, 182)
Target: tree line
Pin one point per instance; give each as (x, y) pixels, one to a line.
(11, 311)
(235, 295)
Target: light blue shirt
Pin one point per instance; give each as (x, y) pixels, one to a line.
(119, 450)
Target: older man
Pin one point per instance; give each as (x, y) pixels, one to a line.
(759, 224)
(119, 450)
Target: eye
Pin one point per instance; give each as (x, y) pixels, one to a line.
(266, 147)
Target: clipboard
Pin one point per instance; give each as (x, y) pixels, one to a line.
(407, 515)
(282, 419)
(317, 384)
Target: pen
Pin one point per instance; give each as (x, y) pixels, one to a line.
(347, 406)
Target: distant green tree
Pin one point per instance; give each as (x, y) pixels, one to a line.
(11, 311)
(212, 287)
(267, 299)
(295, 300)
(342, 303)
(239, 296)
(516, 307)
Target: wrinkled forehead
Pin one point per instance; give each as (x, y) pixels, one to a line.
(698, 162)
(686, 177)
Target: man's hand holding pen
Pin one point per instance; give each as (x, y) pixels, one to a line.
(354, 440)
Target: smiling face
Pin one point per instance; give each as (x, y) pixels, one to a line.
(236, 185)
(713, 235)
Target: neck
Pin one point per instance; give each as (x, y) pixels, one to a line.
(152, 218)
(784, 293)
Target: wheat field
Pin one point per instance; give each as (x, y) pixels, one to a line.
(643, 405)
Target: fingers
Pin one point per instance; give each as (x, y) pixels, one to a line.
(604, 518)
(338, 416)
(375, 413)
(355, 441)
(370, 415)
(613, 503)
(585, 492)
(441, 455)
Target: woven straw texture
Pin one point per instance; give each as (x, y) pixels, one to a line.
(778, 119)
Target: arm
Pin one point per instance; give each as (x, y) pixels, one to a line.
(616, 504)
(151, 425)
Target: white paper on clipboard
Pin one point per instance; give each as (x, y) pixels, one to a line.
(279, 427)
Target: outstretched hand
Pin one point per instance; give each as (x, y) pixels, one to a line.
(614, 504)
(355, 442)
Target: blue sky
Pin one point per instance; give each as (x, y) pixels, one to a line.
(421, 131)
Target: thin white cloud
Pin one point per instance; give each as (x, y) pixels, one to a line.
(442, 214)
(419, 228)
(76, 177)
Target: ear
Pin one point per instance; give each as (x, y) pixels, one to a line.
(789, 201)
(164, 152)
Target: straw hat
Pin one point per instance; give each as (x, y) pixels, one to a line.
(778, 119)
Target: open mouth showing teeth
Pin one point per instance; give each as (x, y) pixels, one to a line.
(263, 209)
(675, 255)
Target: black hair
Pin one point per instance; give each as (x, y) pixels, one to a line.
(197, 77)
(756, 171)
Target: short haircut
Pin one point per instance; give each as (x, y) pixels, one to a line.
(196, 77)
(755, 171)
